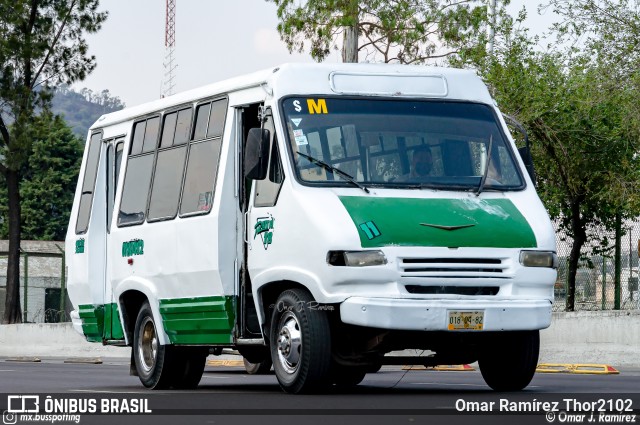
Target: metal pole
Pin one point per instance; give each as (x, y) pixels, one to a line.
(618, 248)
(63, 279)
(63, 289)
(26, 285)
(630, 264)
(603, 295)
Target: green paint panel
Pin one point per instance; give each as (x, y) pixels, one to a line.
(496, 223)
(205, 320)
(100, 322)
(92, 321)
(113, 327)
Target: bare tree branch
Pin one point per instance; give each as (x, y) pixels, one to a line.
(53, 44)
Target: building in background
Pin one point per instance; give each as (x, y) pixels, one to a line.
(42, 281)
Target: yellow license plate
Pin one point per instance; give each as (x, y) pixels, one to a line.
(466, 320)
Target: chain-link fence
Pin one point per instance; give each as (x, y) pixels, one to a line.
(595, 278)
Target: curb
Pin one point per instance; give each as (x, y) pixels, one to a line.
(23, 359)
(84, 360)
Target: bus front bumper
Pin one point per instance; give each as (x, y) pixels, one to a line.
(434, 315)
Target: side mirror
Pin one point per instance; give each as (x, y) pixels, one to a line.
(525, 154)
(524, 151)
(256, 154)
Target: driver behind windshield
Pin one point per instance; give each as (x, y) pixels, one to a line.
(421, 165)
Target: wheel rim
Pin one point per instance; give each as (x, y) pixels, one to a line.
(289, 343)
(147, 345)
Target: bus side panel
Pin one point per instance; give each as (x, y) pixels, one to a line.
(185, 266)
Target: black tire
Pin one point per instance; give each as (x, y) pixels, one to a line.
(261, 368)
(255, 354)
(300, 343)
(190, 362)
(153, 361)
(510, 362)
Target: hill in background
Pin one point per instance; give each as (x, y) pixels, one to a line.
(81, 109)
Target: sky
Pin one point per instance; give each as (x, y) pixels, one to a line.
(215, 39)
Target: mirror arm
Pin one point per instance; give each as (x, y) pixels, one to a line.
(511, 120)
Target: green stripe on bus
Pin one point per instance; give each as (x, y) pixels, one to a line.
(92, 321)
(100, 322)
(113, 328)
(203, 320)
(453, 223)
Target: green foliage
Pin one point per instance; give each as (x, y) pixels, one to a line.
(402, 31)
(48, 183)
(581, 119)
(41, 45)
(81, 109)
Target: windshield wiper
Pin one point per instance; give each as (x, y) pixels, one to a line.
(334, 170)
(483, 180)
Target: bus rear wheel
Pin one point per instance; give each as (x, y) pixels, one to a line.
(189, 366)
(510, 361)
(300, 343)
(260, 368)
(152, 360)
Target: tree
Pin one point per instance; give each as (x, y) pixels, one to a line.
(401, 31)
(606, 33)
(583, 128)
(41, 44)
(81, 109)
(48, 180)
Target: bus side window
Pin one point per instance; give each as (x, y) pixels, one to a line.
(119, 151)
(169, 168)
(137, 179)
(203, 159)
(267, 190)
(88, 183)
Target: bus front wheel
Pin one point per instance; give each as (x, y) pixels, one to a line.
(510, 360)
(300, 343)
(189, 366)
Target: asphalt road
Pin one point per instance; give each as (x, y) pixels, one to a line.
(227, 395)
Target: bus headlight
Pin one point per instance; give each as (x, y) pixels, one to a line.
(539, 259)
(356, 258)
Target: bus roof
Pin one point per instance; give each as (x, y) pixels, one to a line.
(329, 79)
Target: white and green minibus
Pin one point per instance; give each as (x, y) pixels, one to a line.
(313, 217)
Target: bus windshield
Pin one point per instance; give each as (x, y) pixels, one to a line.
(399, 143)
